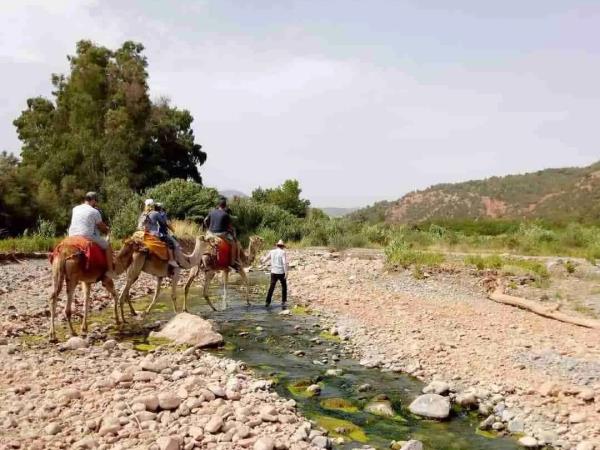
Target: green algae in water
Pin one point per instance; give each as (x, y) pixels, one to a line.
(326, 335)
(339, 404)
(486, 434)
(340, 427)
(298, 310)
(298, 388)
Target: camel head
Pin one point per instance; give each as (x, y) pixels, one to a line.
(254, 246)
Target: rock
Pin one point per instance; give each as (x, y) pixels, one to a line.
(214, 424)
(516, 426)
(75, 343)
(190, 329)
(585, 445)
(168, 443)
(314, 389)
(364, 387)
(487, 423)
(412, 445)
(196, 433)
(149, 401)
(110, 425)
(69, 393)
(528, 442)
(577, 417)
(144, 375)
(86, 443)
(217, 390)
(467, 400)
(380, 408)
(547, 437)
(548, 389)
(322, 442)
(586, 395)
(52, 428)
(437, 387)
(154, 365)
(168, 400)
(433, 406)
(111, 344)
(334, 372)
(264, 443)
(285, 312)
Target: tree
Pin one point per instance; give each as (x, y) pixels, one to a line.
(101, 132)
(18, 208)
(286, 196)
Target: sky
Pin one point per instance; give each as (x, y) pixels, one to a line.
(360, 101)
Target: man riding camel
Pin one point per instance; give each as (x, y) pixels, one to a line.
(86, 221)
(219, 224)
(151, 222)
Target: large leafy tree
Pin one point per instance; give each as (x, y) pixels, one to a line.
(101, 132)
(286, 196)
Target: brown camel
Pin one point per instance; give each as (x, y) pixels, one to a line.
(207, 265)
(68, 267)
(144, 261)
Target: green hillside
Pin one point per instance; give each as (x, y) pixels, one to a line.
(552, 194)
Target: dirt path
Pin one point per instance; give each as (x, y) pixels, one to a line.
(530, 374)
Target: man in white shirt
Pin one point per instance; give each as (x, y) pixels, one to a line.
(279, 270)
(87, 221)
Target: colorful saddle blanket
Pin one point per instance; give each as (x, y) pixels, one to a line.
(93, 255)
(154, 245)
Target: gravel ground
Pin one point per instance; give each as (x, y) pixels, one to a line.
(543, 373)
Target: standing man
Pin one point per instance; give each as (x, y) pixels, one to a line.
(279, 270)
(87, 221)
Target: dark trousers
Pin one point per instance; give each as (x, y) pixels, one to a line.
(274, 278)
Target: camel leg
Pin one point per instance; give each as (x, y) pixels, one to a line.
(225, 283)
(58, 269)
(109, 285)
(87, 287)
(132, 275)
(174, 281)
(71, 285)
(246, 283)
(156, 293)
(188, 283)
(208, 276)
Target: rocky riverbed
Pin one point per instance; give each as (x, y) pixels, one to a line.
(525, 374)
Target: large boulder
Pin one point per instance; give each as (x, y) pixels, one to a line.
(380, 407)
(190, 329)
(433, 406)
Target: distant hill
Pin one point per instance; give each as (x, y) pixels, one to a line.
(554, 194)
(338, 212)
(232, 193)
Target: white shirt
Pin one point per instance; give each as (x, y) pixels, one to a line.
(84, 220)
(279, 263)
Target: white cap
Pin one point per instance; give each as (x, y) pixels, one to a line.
(148, 202)
(280, 243)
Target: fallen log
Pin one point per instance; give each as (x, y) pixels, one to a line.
(496, 293)
(16, 256)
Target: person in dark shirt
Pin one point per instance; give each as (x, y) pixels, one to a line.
(219, 223)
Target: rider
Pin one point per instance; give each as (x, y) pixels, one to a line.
(86, 221)
(164, 226)
(219, 224)
(150, 222)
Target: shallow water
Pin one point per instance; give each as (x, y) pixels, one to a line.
(266, 341)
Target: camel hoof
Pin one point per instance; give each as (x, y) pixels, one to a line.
(133, 313)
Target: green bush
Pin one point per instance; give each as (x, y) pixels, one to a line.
(400, 254)
(485, 262)
(124, 223)
(184, 199)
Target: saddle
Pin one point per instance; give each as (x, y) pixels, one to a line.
(90, 253)
(151, 244)
(220, 252)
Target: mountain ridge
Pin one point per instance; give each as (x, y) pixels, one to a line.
(571, 193)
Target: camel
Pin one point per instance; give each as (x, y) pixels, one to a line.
(207, 265)
(143, 261)
(67, 267)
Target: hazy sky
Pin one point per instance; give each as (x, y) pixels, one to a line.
(359, 100)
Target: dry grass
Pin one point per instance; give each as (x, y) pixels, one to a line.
(186, 229)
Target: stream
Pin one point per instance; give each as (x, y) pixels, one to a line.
(294, 351)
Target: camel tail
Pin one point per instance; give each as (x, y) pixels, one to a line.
(59, 270)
